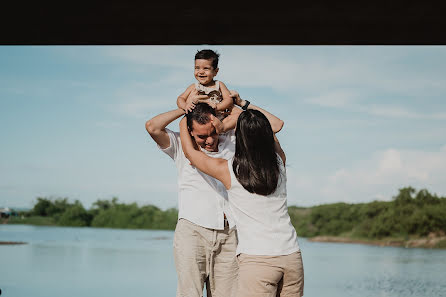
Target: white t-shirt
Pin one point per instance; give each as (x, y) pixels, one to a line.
(202, 199)
(263, 223)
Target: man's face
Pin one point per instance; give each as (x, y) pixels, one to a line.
(205, 136)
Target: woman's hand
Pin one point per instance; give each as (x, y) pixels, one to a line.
(219, 127)
(236, 98)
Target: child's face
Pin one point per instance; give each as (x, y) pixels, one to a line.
(204, 72)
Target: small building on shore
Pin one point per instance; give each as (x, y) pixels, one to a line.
(5, 212)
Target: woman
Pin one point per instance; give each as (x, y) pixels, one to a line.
(268, 253)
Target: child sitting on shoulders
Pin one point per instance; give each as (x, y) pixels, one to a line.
(218, 95)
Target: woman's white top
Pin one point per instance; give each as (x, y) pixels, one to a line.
(263, 223)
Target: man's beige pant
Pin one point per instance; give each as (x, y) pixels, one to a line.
(200, 253)
(270, 276)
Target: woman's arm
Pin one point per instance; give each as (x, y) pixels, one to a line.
(279, 150)
(227, 102)
(276, 123)
(228, 123)
(215, 167)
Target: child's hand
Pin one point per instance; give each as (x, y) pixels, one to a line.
(195, 97)
(217, 124)
(189, 106)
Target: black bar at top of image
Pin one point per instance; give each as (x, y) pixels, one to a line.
(166, 23)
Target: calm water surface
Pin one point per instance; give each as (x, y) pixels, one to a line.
(73, 262)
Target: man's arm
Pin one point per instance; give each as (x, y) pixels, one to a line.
(156, 126)
(276, 123)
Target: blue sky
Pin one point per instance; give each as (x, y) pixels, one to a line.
(360, 121)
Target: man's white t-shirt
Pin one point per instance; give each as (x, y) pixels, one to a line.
(202, 199)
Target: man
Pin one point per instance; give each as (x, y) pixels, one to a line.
(205, 236)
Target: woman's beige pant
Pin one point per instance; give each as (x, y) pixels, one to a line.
(270, 276)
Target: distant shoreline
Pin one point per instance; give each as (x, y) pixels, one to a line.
(11, 242)
(429, 242)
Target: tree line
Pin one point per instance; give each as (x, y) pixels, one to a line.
(103, 213)
(410, 213)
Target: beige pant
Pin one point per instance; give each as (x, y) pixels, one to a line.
(270, 276)
(200, 253)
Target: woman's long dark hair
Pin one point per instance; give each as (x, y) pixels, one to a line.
(255, 162)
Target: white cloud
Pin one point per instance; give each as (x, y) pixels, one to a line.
(336, 98)
(352, 101)
(108, 124)
(141, 107)
(392, 112)
(378, 177)
(138, 100)
(172, 56)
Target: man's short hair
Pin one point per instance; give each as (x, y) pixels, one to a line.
(208, 54)
(201, 113)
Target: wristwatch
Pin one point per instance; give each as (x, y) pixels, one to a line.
(245, 107)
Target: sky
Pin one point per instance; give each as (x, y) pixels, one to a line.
(361, 122)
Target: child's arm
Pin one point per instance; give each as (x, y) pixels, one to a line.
(182, 99)
(226, 103)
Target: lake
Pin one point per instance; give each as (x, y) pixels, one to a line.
(73, 262)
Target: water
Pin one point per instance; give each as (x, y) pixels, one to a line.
(69, 262)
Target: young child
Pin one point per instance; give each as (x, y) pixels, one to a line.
(218, 95)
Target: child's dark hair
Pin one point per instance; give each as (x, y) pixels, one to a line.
(201, 113)
(208, 54)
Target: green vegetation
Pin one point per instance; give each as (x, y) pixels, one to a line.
(32, 220)
(441, 244)
(409, 215)
(104, 213)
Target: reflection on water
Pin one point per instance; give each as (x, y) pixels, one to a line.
(59, 261)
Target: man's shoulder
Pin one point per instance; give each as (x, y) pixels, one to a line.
(177, 134)
(174, 137)
(228, 138)
(229, 134)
